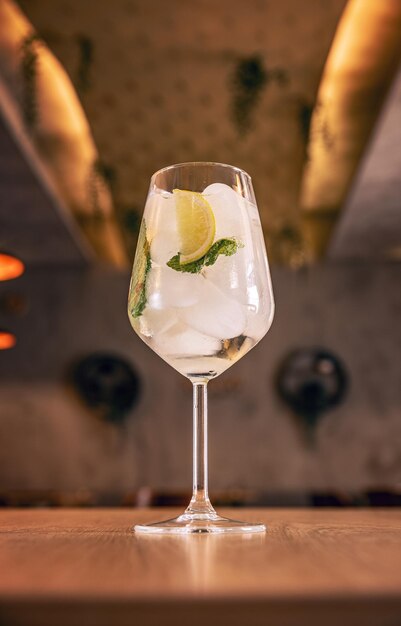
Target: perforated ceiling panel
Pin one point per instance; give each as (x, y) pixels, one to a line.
(166, 82)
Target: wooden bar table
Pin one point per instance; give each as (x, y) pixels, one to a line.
(314, 566)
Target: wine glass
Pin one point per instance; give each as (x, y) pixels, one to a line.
(201, 298)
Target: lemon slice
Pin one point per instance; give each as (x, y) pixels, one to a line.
(196, 225)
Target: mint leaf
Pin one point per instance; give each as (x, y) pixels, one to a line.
(142, 265)
(226, 246)
(193, 268)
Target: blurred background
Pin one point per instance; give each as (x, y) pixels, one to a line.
(94, 97)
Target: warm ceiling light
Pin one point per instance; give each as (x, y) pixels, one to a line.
(7, 340)
(10, 267)
(61, 146)
(360, 67)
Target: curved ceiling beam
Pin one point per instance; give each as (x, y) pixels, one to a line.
(43, 111)
(370, 225)
(360, 68)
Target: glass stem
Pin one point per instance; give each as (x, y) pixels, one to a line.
(200, 503)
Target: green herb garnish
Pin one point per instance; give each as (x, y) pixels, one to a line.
(142, 264)
(226, 246)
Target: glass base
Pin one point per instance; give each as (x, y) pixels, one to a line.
(189, 523)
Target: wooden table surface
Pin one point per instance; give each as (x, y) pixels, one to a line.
(313, 566)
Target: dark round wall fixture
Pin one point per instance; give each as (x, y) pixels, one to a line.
(107, 384)
(311, 381)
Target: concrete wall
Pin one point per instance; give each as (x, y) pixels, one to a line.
(50, 441)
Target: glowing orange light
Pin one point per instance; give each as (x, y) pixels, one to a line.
(7, 340)
(10, 267)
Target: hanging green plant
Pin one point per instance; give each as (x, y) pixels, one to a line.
(101, 175)
(288, 247)
(85, 61)
(305, 117)
(247, 83)
(131, 219)
(321, 129)
(29, 72)
(106, 173)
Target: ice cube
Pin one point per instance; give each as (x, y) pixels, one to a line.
(240, 276)
(229, 274)
(164, 245)
(158, 204)
(168, 288)
(153, 322)
(215, 314)
(179, 340)
(229, 211)
(160, 217)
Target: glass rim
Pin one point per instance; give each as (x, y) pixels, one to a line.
(227, 165)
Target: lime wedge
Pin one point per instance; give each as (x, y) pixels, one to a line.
(196, 225)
